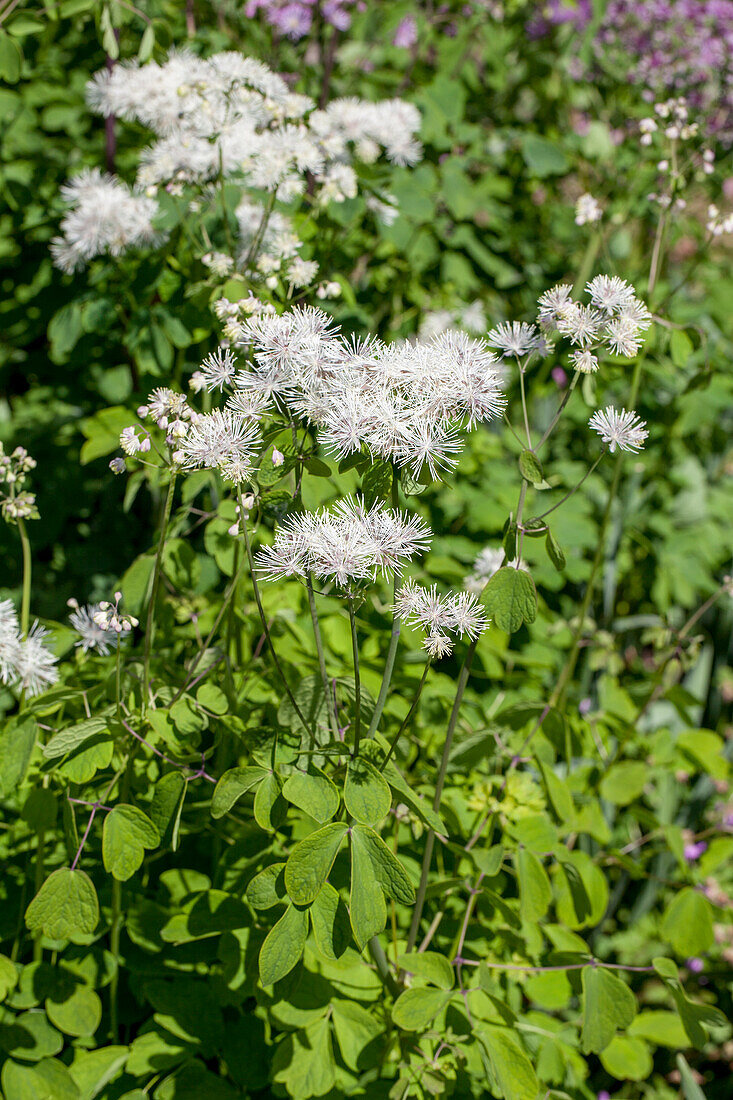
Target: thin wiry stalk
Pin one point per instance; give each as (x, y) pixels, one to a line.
(357, 679)
(266, 625)
(394, 636)
(150, 621)
(442, 771)
(321, 655)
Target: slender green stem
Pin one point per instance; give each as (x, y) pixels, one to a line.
(408, 716)
(380, 961)
(394, 636)
(565, 398)
(116, 927)
(321, 655)
(525, 414)
(266, 626)
(589, 259)
(575, 488)
(118, 678)
(25, 606)
(357, 678)
(150, 621)
(442, 771)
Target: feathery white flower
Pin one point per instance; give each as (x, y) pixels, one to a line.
(222, 441)
(9, 642)
(622, 336)
(587, 210)
(623, 430)
(218, 369)
(581, 324)
(440, 616)
(350, 543)
(552, 303)
(36, 664)
(609, 293)
(513, 338)
(584, 361)
(91, 634)
(105, 217)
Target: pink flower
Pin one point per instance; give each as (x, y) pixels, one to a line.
(406, 34)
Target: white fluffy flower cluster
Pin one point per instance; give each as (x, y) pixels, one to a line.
(588, 210)
(614, 321)
(440, 616)
(470, 318)
(25, 661)
(92, 634)
(233, 114)
(622, 430)
(270, 242)
(405, 402)
(352, 543)
(105, 218)
(171, 413)
(15, 502)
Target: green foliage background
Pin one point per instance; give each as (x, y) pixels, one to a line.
(584, 858)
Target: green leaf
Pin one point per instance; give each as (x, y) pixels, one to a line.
(535, 892)
(11, 59)
(29, 1037)
(267, 888)
(330, 922)
(542, 156)
(509, 1064)
(94, 1069)
(283, 945)
(554, 551)
(680, 348)
(65, 907)
(366, 792)
(386, 868)
(167, 806)
(311, 861)
(80, 1014)
(687, 924)
(126, 834)
(358, 1033)
(420, 806)
(530, 468)
(377, 483)
(313, 793)
(367, 907)
(71, 738)
(147, 44)
(135, 583)
(8, 976)
(17, 741)
(212, 698)
(304, 1062)
(627, 1059)
(510, 599)
(608, 1005)
(429, 965)
(415, 1008)
(690, 1087)
(660, 1028)
(624, 782)
(269, 805)
(232, 785)
(558, 793)
(180, 564)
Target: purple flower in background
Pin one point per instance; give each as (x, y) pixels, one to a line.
(667, 47)
(556, 13)
(294, 18)
(559, 377)
(695, 966)
(604, 1095)
(406, 34)
(694, 850)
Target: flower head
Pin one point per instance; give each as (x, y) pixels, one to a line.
(623, 430)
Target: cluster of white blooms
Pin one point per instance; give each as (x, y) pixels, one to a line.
(222, 440)
(487, 562)
(587, 210)
(405, 402)
(171, 413)
(228, 116)
(440, 616)
(25, 660)
(622, 430)
(268, 240)
(91, 634)
(15, 502)
(471, 318)
(614, 320)
(104, 217)
(672, 120)
(352, 543)
(111, 620)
